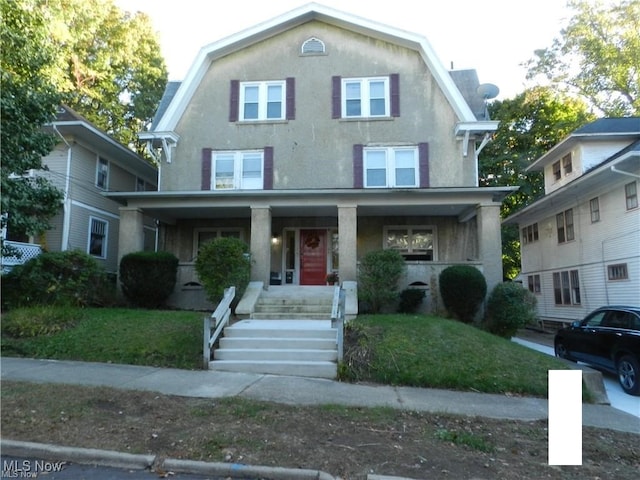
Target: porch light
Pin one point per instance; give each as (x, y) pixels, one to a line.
(275, 239)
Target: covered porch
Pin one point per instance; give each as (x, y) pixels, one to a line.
(297, 237)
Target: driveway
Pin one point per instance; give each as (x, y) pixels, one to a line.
(617, 397)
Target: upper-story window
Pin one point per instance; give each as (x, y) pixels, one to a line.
(102, 173)
(239, 170)
(594, 207)
(530, 233)
(631, 195)
(567, 165)
(557, 172)
(366, 97)
(391, 167)
(262, 100)
(564, 222)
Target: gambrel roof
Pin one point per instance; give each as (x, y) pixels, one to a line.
(168, 118)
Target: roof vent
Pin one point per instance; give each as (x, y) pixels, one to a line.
(313, 46)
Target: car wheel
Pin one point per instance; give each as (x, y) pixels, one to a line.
(629, 374)
(562, 352)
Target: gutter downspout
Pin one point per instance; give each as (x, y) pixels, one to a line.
(66, 206)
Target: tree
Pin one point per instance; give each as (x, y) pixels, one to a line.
(530, 124)
(109, 66)
(28, 101)
(597, 56)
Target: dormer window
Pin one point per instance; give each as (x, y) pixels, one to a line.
(313, 46)
(557, 173)
(567, 167)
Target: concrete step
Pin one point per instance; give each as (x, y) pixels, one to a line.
(325, 300)
(270, 355)
(288, 315)
(292, 368)
(294, 308)
(287, 328)
(278, 343)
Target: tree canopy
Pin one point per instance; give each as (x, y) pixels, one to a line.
(28, 101)
(108, 66)
(597, 56)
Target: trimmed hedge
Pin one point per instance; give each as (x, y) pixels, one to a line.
(510, 306)
(378, 278)
(148, 278)
(463, 289)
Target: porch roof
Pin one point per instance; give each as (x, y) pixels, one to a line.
(172, 206)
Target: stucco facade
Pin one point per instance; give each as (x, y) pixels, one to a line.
(400, 172)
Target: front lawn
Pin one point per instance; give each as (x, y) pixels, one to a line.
(412, 350)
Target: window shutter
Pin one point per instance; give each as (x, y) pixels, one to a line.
(268, 168)
(395, 94)
(234, 101)
(423, 162)
(336, 97)
(291, 98)
(358, 151)
(206, 169)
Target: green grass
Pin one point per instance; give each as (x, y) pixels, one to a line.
(160, 338)
(411, 350)
(426, 351)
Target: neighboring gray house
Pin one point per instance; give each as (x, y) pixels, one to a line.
(580, 243)
(85, 164)
(317, 137)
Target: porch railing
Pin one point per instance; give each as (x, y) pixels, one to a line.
(20, 253)
(218, 320)
(337, 318)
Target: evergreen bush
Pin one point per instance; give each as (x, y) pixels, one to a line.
(510, 306)
(410, 300)
(463, 289)
(71, 278)
(148, 278)
(222, 263)
(378, 278)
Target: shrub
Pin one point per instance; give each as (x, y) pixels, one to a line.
(40, 320)
(147, 278)
(410, 300)
(222, 263)
(509, 307)
(71, 278)
(462, 288)
(378, 278)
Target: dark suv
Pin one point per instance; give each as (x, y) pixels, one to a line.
(608, 338)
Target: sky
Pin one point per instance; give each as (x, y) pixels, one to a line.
(493, 36)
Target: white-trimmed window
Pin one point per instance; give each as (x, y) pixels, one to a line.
(594, 207)
(390, 167)
(365, 97)
(98, 234)
(631, 195)
(618, 271)
(243, 170)
(533, 283)
(413, 242)
(566, 287)
(530, 233)
(567, 164)
(564, 223)
(102, 173)
(262, 100)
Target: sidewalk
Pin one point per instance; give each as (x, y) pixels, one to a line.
(300, 391)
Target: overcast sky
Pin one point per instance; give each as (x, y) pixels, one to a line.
(499, 35)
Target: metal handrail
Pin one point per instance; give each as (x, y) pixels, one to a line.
(218, 320)
(337, 318)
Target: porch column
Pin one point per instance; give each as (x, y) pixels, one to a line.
(490, 244)
(261, 244)
(347, 242)
(131, 236)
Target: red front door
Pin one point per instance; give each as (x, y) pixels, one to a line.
(313, 257)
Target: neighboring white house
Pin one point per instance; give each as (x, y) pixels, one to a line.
(580, 243)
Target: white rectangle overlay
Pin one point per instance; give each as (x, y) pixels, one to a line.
(565, 417)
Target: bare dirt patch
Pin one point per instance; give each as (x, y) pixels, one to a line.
(345, 442)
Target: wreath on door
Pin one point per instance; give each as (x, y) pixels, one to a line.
(312, 241)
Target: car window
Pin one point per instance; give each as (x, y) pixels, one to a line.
(635, 322)
(595, 320)
(616, 319)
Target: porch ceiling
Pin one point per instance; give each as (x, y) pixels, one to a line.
(171, 206)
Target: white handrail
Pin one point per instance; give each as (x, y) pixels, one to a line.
(218, 320)
(337, 318)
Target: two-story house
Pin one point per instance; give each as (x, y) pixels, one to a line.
(317, 137)
(580, 242)
(85, 164)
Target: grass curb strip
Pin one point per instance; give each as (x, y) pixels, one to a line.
(109, 458)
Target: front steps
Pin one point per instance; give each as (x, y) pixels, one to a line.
(291, 302)
(298, 347)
